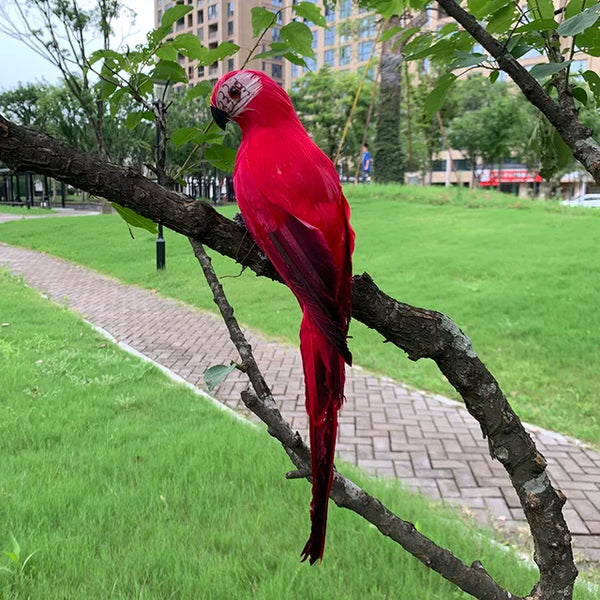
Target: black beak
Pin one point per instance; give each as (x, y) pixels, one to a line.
(220, 117)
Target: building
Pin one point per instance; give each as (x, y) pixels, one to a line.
(347, 45)
(216, 21)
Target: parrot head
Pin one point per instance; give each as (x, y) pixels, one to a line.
(234, 94)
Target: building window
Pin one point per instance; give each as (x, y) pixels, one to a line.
(199, 17)
(330, 14)
(230, 64)
(229, 27)
(345, 9)
(276, 34)
(364, 51)
(180, 24)
(230, 9)
(190, 72)
(295, 71)
(200, 71)
(311, 63)
(329, 57)
(190, 20)
(329, 37)
(213, 31)
(200, 34)
(368, 28)
(276, 2)
(344, 55)
(213, 12)
(276, 71)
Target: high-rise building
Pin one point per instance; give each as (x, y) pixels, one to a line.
(216, 21)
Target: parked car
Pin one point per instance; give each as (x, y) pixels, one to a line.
(586, 200)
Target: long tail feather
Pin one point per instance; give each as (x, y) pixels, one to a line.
(324, 374)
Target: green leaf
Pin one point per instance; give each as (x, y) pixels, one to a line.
(221, 51)
(537, 25)
(261, 20)
(221, 157)
(466, 59)
(295, 59)
(174, 14)
(189, 45)
(106, 88)
(168, 70)
(183, 135)
(494, 75)
(215, 374)
(435, 99)
(132, 218)
(115, 100)
(406, 34)
(299, 37)
(593, 80)
(277, 49)
(441, 47)
(307, 10)
(545, 8)
(482, 8)
(580, 22)
(106, 53)
(167, 52)
(202, 88)
(544, 70)
(133, 119)
(502, 19)
(580, 94)
(390, 33)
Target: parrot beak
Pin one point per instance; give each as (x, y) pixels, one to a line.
(220, 117)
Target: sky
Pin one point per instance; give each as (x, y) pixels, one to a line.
(19, 64)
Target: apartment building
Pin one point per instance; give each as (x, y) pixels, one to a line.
(216, 21)
(346, 45)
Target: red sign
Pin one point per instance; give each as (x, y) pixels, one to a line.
(492, 177)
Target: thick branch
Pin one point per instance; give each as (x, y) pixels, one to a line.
(576, 135)
(419, 332)
(345, 493)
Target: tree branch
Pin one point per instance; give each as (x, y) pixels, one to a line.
(563, 117)
(419, 332)
(345, 493)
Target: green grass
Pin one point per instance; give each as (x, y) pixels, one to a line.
(519, 277)
(22, 210)
(126, 485)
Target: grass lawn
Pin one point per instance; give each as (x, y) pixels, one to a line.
(126, 485)
(21, 210)
(519, 277)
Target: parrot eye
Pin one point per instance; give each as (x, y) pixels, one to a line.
(235, 93)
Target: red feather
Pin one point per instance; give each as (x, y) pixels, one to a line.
(290, 196)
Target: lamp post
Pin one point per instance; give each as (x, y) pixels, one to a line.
(161, 91)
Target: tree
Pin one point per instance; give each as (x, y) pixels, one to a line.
(491, 125)
(419, 332)
(60, 32)
(323, 101)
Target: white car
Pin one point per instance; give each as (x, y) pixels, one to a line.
(586, 200)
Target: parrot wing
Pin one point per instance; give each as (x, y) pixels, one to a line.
(303, 258)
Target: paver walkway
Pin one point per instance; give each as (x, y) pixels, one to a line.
(429, 442)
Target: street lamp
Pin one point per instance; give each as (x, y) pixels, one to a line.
(161, 92)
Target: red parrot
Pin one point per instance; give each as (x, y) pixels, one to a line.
(291, 199)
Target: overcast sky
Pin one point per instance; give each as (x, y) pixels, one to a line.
(19, 64)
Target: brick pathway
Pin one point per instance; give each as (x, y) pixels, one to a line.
(427, 441)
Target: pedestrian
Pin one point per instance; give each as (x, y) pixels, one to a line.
(367, 164)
